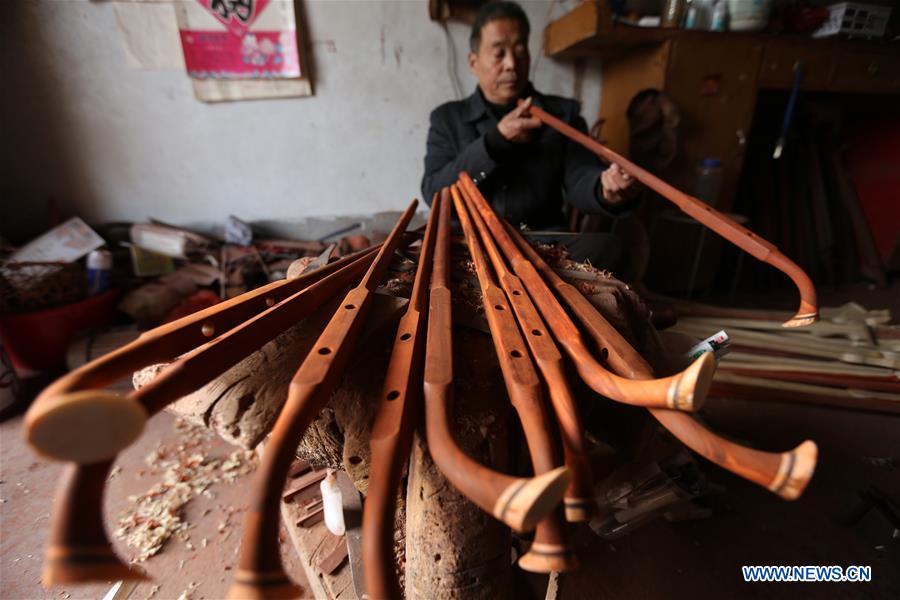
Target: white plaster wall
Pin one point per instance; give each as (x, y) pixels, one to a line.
(116, 143)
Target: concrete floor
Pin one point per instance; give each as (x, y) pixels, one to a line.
(29, 485)
(751, 526)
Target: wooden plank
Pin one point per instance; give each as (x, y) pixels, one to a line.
(296, 486)
(766, 390)
(306, 540)
(785, 342)
(586, 21)
(856, 331)
(834, 379)
(806, 364)
(331, 554)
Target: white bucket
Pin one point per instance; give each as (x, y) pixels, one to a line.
(748, 15)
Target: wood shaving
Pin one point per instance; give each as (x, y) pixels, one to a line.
(558, 258)
(238, 464)
(187, 471)
(400, 284)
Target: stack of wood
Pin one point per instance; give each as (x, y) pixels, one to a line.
(849, 359)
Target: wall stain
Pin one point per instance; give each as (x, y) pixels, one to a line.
(383, 53)
(398, 53)
(330, 46)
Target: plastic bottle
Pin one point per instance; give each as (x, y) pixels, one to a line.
(690, 15)
(719, 13)
(332, 504)
(708, 180)
(703, 14)
(99, 272)
(672, 13)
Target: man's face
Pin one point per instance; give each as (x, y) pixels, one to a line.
(502, 61)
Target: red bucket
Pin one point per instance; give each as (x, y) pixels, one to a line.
(38, 340)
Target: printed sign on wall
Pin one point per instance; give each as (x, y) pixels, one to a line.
(239, 39)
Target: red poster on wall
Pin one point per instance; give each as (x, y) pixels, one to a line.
(240, 39)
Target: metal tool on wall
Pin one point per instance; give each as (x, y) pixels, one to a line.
(789, 109)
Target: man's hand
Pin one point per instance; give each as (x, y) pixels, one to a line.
(518, 124)
(618, 186)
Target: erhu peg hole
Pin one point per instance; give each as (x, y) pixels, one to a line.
(499, 307)
(324, 351)
(393, 395)
(536, 332)
(517, 293)
(515, 354)
(349, 306)
(405, 337)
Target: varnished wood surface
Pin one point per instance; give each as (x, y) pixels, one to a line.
(550, 550)
(785, 473)
(259, 564)
(682, 391)
(520, 503)
(79, 550)
(579, 497)
(63, 422)
(391, 439)
(728, 228)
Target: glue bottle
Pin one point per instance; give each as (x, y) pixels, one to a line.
(99, 272)
(332, 504)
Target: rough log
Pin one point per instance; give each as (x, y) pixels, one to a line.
(242, 403)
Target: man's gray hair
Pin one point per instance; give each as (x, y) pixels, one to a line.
(495, 11)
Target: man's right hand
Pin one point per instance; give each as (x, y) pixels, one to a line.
(518, 124)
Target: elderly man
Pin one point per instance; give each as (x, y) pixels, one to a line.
(524, 169)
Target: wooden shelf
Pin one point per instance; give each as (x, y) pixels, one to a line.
(590, 31)
(866, 66)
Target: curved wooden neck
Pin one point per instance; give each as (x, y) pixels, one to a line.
(579, 501)
(259, 564)
(79, 550)
(550, 550)
(785, 473)
(682, 391)
(62, 423)
(520, 503)
(728, 228)
(391, 438)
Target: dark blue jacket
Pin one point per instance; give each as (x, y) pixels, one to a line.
(528, 185)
